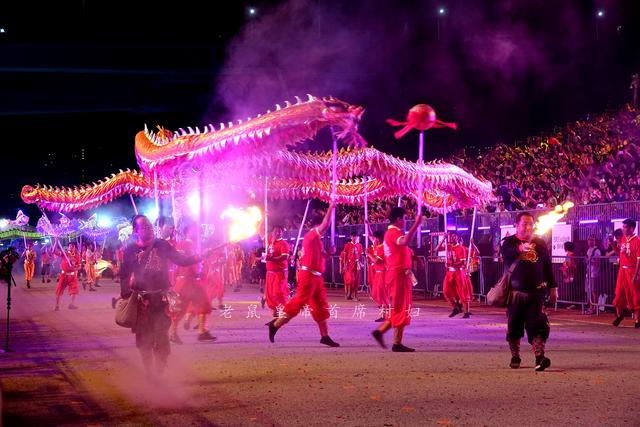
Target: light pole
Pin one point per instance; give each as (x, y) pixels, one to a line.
(441, 12)
(599, 16)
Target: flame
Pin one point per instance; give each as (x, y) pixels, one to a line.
(102, 265)
(244, 222)
(548, 220)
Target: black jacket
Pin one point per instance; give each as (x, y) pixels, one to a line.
(534, 266)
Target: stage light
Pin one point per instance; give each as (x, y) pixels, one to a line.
(193, 201)
(2, 31)
(252, 11)
(442, 11)
(600, 13)
(104, 222)
(4, 223)
(151, 213)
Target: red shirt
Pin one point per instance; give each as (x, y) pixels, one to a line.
(280, 247)
(351, 254)
(313, 255)
(457, 256)
(629, 251)
(378, 252)
(75, 260)
(396, 256)
(186, 248)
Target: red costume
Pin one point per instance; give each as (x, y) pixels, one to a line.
(276, 288)
(69, 273)
(215, 275)
(29, 264)
(457, 285)
(310, 288)
(628, 291)
(188, 284)
(379, 291)
(397, 278)
(350, 257)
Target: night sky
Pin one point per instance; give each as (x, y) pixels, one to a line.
(78, 79)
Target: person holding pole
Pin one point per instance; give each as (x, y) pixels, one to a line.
(398, 279)
(310, 288)
(69, 266)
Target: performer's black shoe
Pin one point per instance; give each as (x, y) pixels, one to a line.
(28, 284)
(92, 289)
(515, 362)
(466, 315)
(263, 302)
(113, 302)
(272, 330)
(399, 348)
(43, 280)
(617, 321)
(637, 325)
(377, 335)
(221, 306)
(195, 327)
(97, 285)
(206, 336)
(326, 340)
(175, 339)
(455, 311)
(84, 286)
(379, 319)
(73, 307)
(542, 363)
(57, 308)
(48, 280)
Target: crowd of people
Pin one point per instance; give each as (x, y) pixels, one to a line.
(588, 161)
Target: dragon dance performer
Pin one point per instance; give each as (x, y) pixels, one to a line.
(379, 291)
(145, 268)
(457, 285)
(189, 285)
(276, 288)
(310, 289)
(628, 284)
(398, 260)
(215, 277)
(69, 266)
(350, 266)
(29, 263)
(45, 259)
(90, 267)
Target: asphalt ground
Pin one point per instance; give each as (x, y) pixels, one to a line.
(77, 367)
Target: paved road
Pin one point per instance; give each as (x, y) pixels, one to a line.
(79, 368)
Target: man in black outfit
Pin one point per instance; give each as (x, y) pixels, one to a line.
(145, 268)
(529, 282)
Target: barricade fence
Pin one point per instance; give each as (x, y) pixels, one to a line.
(585, 282)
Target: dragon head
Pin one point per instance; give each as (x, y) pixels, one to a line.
(29, 194)
(346, 118)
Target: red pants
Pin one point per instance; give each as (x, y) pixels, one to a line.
(398, 282)
(215, 285)
(379, 291)
(192, 296)
(457, 286)
(276, 288)
(310, 291)
(67, 280)
(627, 292)
(29, 268)
(352, 277)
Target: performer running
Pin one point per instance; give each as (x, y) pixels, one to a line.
(529, 282)
(628, 284)
(69, 266)
(145, 268)
(277, 289)
(29, 263)
(456, 285)
(398, 278)
(310, 289)
(350, 266)
(45, 271)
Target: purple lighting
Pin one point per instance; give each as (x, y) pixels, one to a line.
(485, 227)
(588, 221)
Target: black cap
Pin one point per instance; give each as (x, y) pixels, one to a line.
(630, 222)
